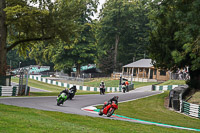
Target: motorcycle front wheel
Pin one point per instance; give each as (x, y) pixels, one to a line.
(101, 112)
(110, 112)
(59, 102)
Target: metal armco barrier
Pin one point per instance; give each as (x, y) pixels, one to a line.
(8, 90)
(191, 109)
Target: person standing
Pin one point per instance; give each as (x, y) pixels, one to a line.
(102, 88)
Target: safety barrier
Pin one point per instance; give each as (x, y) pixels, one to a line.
(191, 109)
(178, 103)
(164, 87)
(79, 87)
(8, 90)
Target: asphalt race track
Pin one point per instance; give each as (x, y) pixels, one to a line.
(81, 102)
(74, 106)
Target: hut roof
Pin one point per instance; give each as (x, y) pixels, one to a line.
(141, 63)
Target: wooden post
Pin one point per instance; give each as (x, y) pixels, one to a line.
(132, 70)
(143, 73)
(149, 73)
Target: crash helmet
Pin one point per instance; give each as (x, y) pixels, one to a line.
(66, 89)
(116, 97)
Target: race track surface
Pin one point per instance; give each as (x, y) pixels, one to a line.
(82, 102)
(74, 106)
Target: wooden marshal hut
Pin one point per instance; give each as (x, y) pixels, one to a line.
(144, 71)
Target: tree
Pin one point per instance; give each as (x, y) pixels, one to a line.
(80, 50)
(123, 28)
(174, 39)
(13, 59)
(3, 37)
(23, 25)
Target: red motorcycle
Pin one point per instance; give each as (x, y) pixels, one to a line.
(109, 109)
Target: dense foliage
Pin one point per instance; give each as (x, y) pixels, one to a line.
(174, 39)
(123, 32)
(63, 33)
(79, 50)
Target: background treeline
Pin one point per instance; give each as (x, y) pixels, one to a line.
(63, 34)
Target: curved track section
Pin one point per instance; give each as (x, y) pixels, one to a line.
(83, 104)
(73, 106)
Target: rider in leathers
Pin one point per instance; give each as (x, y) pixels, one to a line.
(115, 99)
(66, 91)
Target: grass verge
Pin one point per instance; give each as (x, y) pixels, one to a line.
(114, 83)
(173, 82)
(56, 89)
(23, 120)
(41, 85)
(152, 109)
(195, 98)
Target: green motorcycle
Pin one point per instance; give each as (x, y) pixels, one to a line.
(61, 99)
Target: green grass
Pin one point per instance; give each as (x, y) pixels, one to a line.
(114, 83)
(140, 84)
(173, 82)
(195, 98)
(41, 85)
(108, 81)
(152, 109)
(55, 89)
(23, 120)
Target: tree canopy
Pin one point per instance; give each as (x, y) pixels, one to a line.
(81, 47)
(174, 39)
(27, 23)
(123, 31)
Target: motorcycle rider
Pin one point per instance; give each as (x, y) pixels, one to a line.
(66, 91)
(102, 88)
(127, 84)
(114, 99)
(73, 90)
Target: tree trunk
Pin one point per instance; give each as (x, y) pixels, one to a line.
(3, 36)
(78, 69)
(194, 79)
(115, 52)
